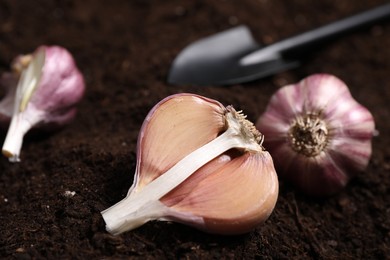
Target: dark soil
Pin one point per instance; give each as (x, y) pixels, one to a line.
(125, 49)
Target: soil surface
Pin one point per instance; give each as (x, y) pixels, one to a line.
(125, 49)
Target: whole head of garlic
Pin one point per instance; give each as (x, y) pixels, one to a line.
(318, 135)
(201, 164)
(48, 87)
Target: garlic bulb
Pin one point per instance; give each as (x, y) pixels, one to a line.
(200, 164)
(49, 87)
(318, 135)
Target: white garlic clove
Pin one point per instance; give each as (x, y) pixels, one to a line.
(317, 134)
(49, 87)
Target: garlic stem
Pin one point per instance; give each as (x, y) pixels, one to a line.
(126, 214)
(14, 139)
(150, 210)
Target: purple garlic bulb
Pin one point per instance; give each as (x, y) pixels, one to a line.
(318, 135)
(48, 89)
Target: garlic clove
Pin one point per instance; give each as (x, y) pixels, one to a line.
(49, 87)
(232, 198)
(171, 127)
(194, 154)
(340, 144)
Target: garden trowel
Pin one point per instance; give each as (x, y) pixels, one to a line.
(233, 56)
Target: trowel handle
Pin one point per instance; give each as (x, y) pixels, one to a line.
(302, 41)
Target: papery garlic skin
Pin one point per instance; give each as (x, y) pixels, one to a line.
(200, 164)
(339, 144)
(46, 94)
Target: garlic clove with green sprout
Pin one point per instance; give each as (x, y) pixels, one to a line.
(49, 87)
(317, 134)
(200, 164)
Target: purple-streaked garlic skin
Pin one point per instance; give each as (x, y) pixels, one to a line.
(60, 88)
(345, 126)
